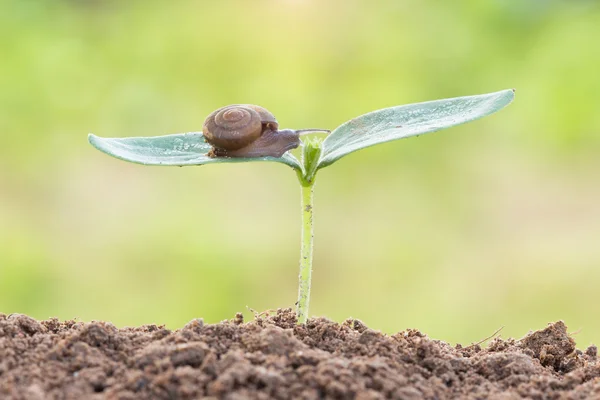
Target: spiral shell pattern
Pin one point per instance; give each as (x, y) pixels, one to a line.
(233, 127)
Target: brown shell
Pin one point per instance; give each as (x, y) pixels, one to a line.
(236, 126)
(266, 117)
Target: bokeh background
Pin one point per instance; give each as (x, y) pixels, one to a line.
(494, 223)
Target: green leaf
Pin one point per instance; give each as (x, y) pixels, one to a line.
(176, 150)
(409, 120)
(311, 153)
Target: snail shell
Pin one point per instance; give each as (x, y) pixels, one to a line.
(245, 130)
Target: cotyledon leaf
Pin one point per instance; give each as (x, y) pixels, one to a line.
(175, 150)
(408, 120)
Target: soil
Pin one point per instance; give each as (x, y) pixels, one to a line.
(272, 357)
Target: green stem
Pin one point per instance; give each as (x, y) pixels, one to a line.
(306, 252)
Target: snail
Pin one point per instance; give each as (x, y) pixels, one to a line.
(246, 130)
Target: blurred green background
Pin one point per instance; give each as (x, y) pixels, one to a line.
(494, 223)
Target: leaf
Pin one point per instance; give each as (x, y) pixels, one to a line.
(408, 120)
(176, 150)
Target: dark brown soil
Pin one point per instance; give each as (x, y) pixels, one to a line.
(271, 357)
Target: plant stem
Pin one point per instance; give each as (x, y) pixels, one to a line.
(311, 154)
(306, 252)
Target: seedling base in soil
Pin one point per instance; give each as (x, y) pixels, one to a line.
(273, 357)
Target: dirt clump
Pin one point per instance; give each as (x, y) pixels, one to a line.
(273, 358)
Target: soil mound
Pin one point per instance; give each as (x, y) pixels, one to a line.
(272, 357)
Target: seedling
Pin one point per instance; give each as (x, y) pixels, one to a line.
(364, 131)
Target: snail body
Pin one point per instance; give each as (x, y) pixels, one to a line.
(246, 130)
